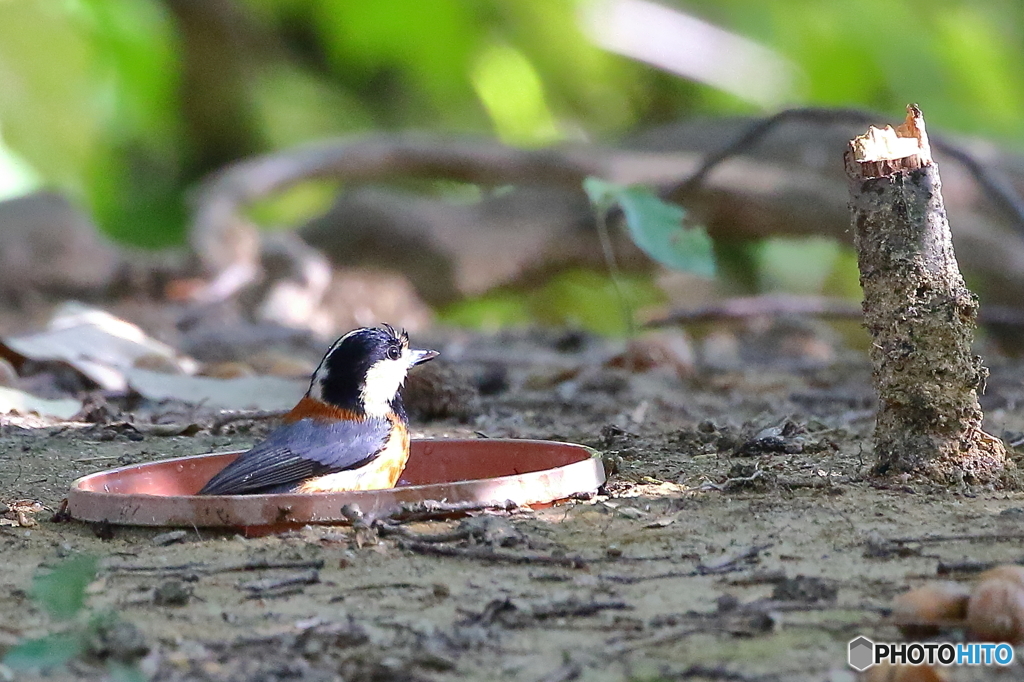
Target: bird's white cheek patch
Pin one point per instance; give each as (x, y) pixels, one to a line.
(383, 380)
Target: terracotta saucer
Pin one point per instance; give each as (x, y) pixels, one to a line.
(486, 471)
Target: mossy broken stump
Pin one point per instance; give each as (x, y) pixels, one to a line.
(919, 312)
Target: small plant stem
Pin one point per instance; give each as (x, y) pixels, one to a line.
(613, 270)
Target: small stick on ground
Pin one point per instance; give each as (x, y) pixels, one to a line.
(429, 510)
(721, 565)
(963, 537)
(636, 579)
(195, 567)
(967, 566)
(491, 555)
(279, 587)
(731, 562)
(919, 312)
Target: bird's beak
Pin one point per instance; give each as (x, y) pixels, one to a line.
(421, 356)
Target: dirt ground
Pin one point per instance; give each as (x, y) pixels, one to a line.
(739, 537)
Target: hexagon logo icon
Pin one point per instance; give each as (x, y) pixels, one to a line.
(861, 655)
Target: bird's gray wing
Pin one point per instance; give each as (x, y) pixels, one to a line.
(300, 450)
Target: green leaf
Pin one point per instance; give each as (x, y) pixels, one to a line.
(47, 652)
(656, 226)
(61, 592)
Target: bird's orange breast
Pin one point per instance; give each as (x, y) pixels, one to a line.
(382, 472)
(311, 408)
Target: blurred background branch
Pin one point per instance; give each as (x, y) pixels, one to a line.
(123, 107)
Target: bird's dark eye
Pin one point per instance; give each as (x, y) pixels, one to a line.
(394, 352)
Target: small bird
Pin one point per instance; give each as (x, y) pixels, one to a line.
(348, 432)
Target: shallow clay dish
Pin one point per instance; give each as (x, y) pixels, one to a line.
(484, 471)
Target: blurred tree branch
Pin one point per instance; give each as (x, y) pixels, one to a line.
(788, 181)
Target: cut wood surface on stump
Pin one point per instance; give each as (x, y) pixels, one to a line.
(919, 312)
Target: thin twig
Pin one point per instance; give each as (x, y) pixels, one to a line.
(735, 482)
(757, 131)
(375, 586)
(634, 579)
(967, 566)
(572, 608)
(969, 537)
(431, 509)
(286, 591)
(487, 554)
(775, 575)
(195, 567)
(514, 613)
(723, 565)
(264, 585)
(616, 648)
(613, 270)
(611, 559)
(993, 183)
(729, 563)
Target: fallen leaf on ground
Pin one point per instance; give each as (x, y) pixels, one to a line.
(94, 342)
(243, 393)
(13, 400)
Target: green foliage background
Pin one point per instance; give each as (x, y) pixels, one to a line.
(99, 97)
(125, 104)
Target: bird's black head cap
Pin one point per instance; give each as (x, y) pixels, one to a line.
(364, 370)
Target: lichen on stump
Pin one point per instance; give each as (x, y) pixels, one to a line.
(919, 312)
